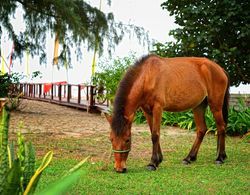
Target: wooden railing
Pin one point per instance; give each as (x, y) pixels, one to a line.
(83, 96)
(78, 96)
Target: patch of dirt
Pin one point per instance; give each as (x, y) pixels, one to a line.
(73, 133)
(43, 117)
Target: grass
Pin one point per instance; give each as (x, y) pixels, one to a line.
(201, 177)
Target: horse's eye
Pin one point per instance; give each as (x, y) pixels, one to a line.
(127, 141)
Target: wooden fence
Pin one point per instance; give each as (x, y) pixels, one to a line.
(77, 96)
(83, 96)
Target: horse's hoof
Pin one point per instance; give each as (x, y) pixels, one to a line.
(151, 168)
(186, 162)
(219, 162)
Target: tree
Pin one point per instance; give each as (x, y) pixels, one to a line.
(219, 30)
(74, 22)
(7, 82)
(110, 74)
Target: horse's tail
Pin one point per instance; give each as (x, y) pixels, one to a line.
(226, 102)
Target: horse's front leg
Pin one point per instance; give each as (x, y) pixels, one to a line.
(154, 121)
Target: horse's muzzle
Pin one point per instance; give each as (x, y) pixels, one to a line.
(122, 170)
(120, 162)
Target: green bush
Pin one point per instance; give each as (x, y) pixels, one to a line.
(182, 119)
(110, 75)
(6, 81)
(9, 88)
(238, 119)
(139, 117)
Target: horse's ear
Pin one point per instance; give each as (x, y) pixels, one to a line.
(108, 117)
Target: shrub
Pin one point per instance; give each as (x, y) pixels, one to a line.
(110, 75)
(9, 88)
(139, 117)
(182, 119)
(6, 84)
(238, 119)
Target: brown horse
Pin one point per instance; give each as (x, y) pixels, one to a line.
(155, 84)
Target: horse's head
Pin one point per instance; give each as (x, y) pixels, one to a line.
(121, 145)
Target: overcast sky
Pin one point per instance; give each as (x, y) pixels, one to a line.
(145, 13)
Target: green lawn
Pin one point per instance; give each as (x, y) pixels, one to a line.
(172, 177)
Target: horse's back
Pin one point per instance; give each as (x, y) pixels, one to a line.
(184, 81)
(186, 70)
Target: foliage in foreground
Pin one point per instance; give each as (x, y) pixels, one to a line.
(238, 119)
(17, 170)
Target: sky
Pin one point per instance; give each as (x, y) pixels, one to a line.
(144, 13)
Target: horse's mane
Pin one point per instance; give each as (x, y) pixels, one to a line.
(118, 119)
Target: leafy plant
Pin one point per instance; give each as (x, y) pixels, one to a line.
(139, 117)
(9, 88)
(6, 81)
(14, 102)
(110, 75)
(63, 185)
(238, 119)
(186, 121)
(210, 121)
(170, 118)
(4, 166)
(17, 173)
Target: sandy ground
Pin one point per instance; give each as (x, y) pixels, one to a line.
(42, 117)
(74, 133)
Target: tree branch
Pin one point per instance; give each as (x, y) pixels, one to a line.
(36, 10)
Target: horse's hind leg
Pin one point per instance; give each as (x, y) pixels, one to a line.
(199, 117)
(220, 125)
